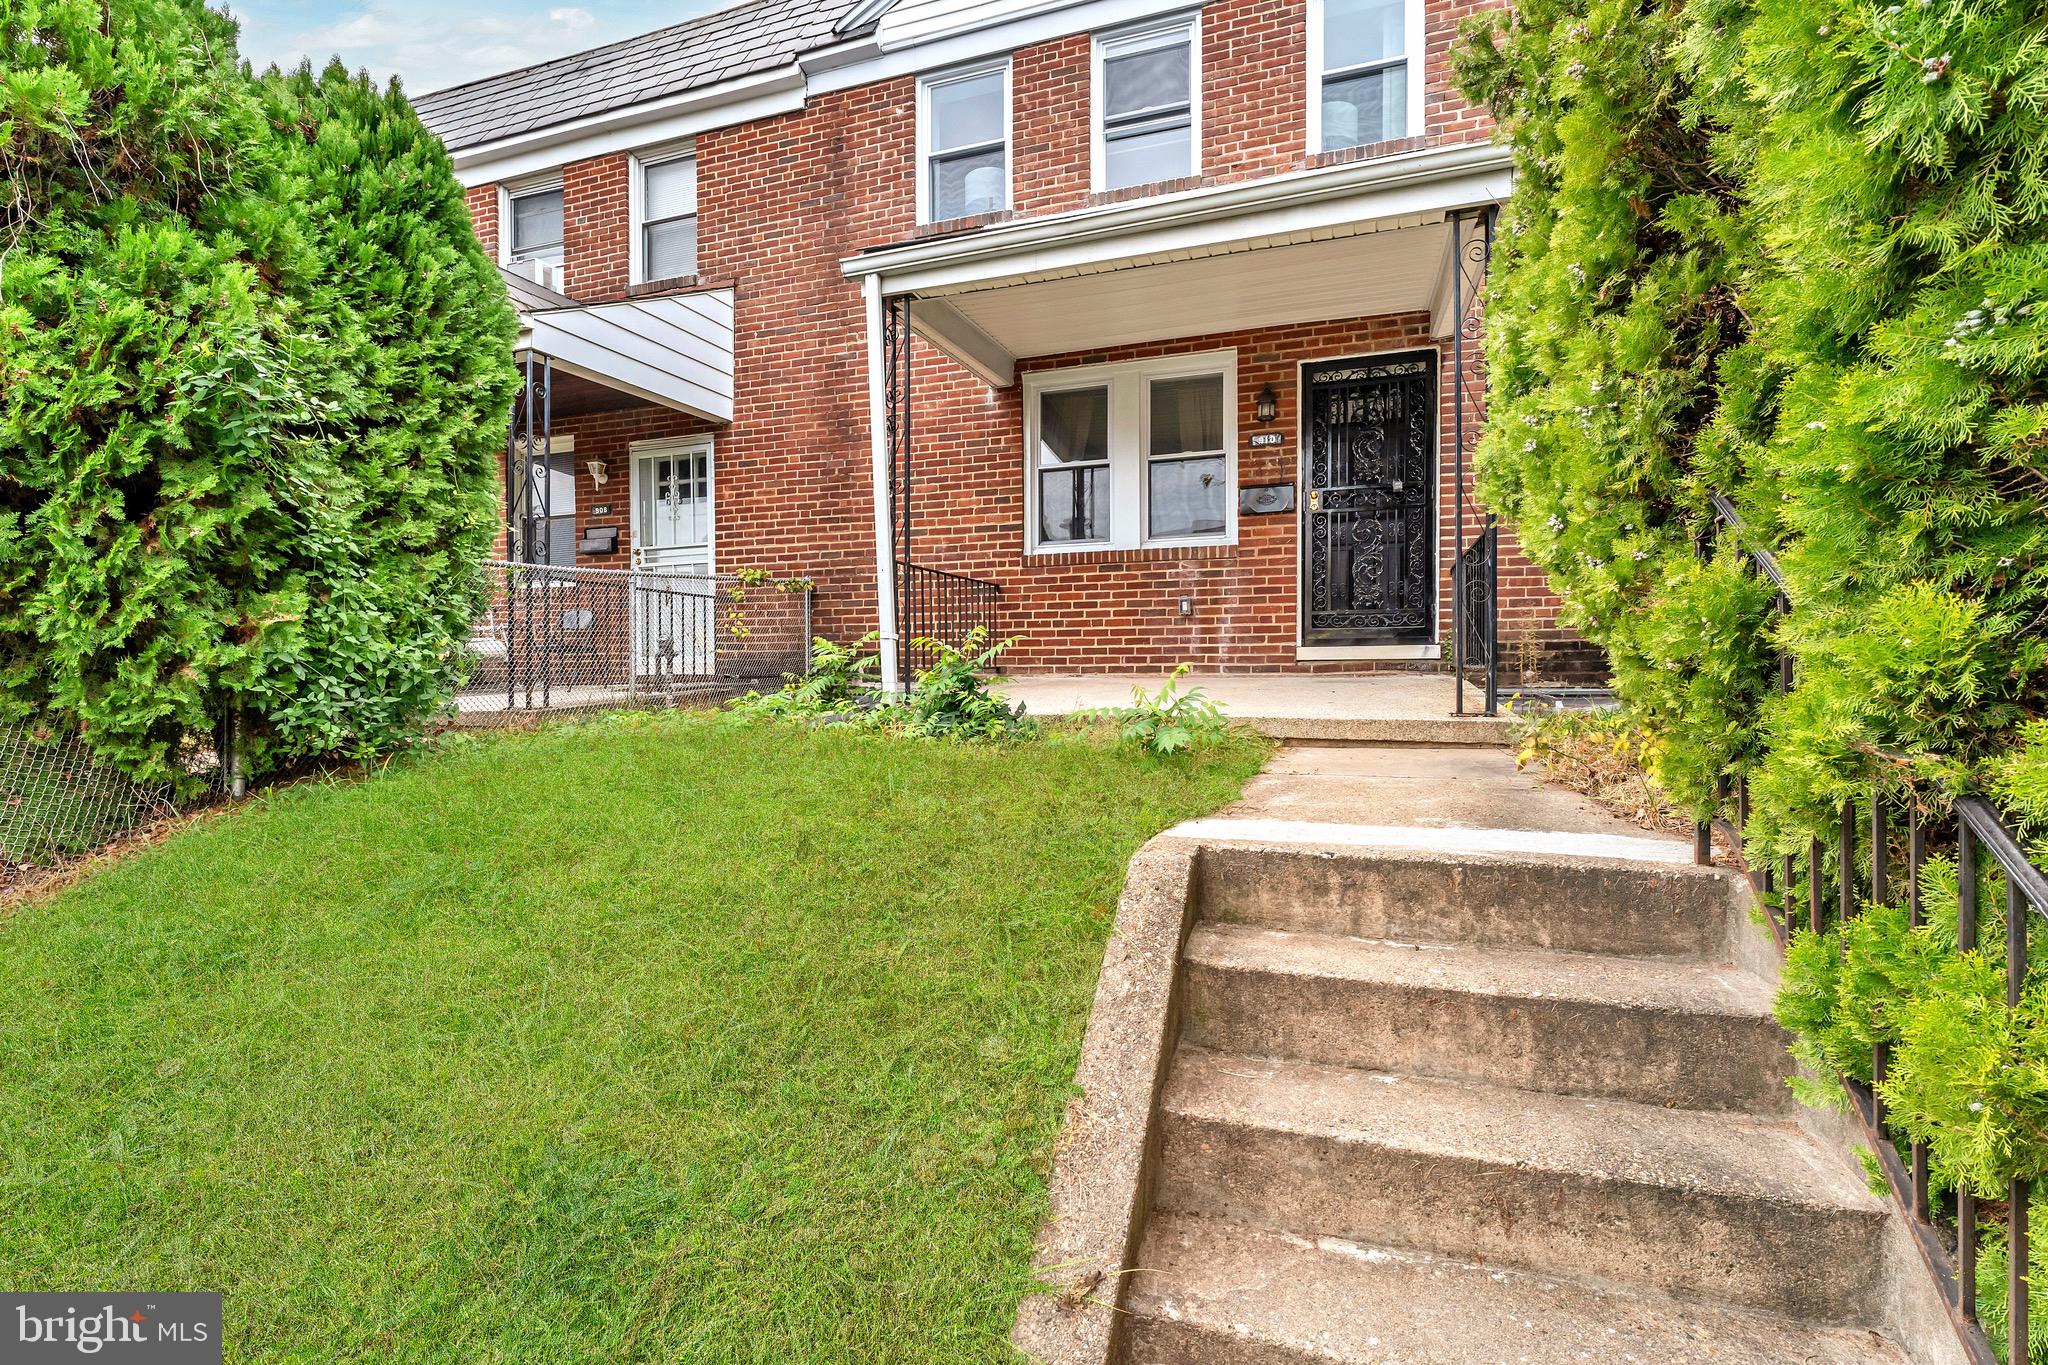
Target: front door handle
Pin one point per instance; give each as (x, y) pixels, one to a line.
(1315, 499)
(1398, 485)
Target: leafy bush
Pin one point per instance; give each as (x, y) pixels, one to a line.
(1798, 252)
(951, 697)
(256, 368)
(1792, 251)
(841, 679)
(1169, 721)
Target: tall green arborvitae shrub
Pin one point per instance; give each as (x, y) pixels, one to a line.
(414, 378)
(1611, 304)
(1867, 188)
(1894, 164)
(254, 365)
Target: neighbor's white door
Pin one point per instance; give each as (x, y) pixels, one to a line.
(675, 611)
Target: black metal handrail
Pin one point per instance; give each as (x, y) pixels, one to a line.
(1475, 593)
(932, 604)
(1979, 828)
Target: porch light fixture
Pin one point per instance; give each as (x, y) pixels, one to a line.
(599, 471)
(1266, 406)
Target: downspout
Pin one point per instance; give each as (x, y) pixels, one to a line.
(879, 452)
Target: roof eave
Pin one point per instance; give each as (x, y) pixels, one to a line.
(701, 106)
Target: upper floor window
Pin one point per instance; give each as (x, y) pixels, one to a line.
(536, 224)
(1364, 86)
(665, 219)
(964, 143)
(1147, 88)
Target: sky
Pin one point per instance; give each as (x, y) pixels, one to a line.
(436, 43)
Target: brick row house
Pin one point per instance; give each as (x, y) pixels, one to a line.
(1155, 317)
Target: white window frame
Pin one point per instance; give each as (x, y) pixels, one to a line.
(1130, 384)
(637, 165)
(1414, 41)
(1155, 33)
(516, 189)
(925, 84)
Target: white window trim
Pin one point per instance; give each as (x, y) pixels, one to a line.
(1415, 41)
(507, 190)
(924, 131)
(1191, 24)
(1129, 383)
(636, 169)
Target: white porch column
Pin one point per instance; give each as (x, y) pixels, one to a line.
(878, 447)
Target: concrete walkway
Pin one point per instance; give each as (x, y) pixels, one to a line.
(1387, 708)
(1451, 799)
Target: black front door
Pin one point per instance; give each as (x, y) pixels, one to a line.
(1369, 520)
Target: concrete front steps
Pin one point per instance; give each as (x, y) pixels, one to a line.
(1435, 1109)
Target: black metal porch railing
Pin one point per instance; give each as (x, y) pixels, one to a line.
(1475, 587)
(932, 604)
(1978, 829)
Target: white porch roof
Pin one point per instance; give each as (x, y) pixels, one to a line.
(675, 350)
(1354, 240)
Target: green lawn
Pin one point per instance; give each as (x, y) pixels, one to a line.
(660, 1038)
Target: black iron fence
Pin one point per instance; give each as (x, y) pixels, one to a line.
(1978, 830)
(568, 639)
(932, 604)
(1475, 634)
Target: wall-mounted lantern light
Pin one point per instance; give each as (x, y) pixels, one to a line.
(1266, 406)
(599, 471)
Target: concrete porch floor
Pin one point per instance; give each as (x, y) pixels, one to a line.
(1386, 708)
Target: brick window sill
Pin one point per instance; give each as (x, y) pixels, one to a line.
(948, 226)
(1370, 151)
(680, 284)
(1150, 191)
(1150, 554)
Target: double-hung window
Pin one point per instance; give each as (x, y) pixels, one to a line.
(1147, 88)
(666, 219)
(535, 217)
(964, 143)
(1126, 455)
(1362, 69)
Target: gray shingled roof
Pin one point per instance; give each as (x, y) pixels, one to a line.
(757, 35)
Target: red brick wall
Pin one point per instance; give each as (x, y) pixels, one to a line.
(782, 201)
(483, 213)
(597, 230)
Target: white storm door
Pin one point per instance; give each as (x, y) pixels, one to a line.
(675, 599)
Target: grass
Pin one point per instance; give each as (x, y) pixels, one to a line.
(659, 1038)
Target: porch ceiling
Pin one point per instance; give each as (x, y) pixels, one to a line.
(1390, 268)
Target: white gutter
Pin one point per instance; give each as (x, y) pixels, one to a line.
(1190, 207)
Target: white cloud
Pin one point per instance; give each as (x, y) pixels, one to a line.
(429, 45)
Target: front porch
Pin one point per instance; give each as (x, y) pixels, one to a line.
(1230, 427)
(1379, 708)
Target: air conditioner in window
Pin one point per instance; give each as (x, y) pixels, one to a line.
(546, 274)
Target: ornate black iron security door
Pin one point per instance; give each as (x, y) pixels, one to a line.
(1369, 523)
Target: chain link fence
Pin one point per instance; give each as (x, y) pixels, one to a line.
(60, 802)
(564, 640)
